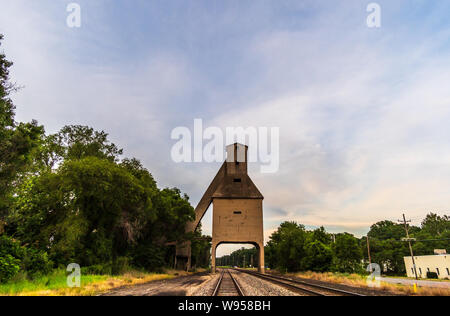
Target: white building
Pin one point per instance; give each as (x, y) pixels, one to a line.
(437, 263)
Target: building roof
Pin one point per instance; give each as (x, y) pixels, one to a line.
(237, 187)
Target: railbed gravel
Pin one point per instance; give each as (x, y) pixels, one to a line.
(345, 287)
(180, 286)
(207, 287)
(250, 285)
(253, 286)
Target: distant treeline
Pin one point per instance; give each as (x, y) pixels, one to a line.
(293, 248)
(70, 198)
(243, 258)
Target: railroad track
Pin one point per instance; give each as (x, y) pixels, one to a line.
(301, 287)
(227, 285)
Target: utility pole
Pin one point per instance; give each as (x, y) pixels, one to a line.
(409, 242)
(368, 250)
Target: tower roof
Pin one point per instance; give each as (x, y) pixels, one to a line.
(230, 182)
(237, 187)
(235, 182)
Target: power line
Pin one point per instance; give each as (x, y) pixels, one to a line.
(418, 240)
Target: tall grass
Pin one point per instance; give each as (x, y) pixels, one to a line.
(55, 281)
(55, 284)
(357, 280)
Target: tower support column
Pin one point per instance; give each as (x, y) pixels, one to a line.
(213, 257)
(261, 267)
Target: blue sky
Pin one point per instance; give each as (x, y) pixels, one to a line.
(363, 113)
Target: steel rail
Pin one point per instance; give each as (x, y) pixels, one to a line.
(295, 284)
(219, 282)
(235, 283)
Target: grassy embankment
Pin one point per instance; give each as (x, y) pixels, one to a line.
(360, 281)
(55, 284)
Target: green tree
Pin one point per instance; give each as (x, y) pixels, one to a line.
(85, 206)
(201, 249)
(321, 235)
(243, 258)
(172, 211)
(436, 225)
(15, 258)
(88, 211)
(386, 230)
(387, 247)
(347, 253)
(318, 257)
(75, 142)
(434, 234)
(17, 140)
(286, 247)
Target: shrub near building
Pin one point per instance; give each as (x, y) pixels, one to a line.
(15, 258)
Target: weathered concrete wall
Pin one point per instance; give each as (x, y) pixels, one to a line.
(238, 221)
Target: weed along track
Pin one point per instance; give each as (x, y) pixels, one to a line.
(227, 285)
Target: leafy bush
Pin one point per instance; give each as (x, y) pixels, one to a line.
(36, 263)
(432, 275)
(98, 269)
(149, 257)
(11, 247)
(9, 267)
(347, 254)
(15, 258)
(121, 265)
(10, 258)
(318, 257)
